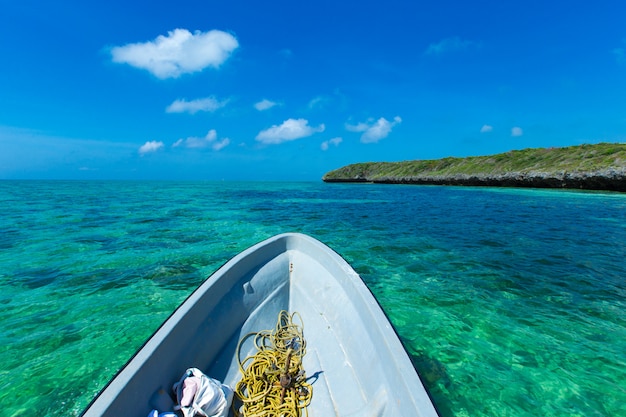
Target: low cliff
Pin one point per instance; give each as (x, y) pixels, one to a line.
(592, 167)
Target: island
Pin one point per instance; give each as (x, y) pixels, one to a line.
(599, 166)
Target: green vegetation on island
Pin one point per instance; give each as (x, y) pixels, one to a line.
(598, 167)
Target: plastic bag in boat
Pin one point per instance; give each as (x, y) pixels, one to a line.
(200, 395)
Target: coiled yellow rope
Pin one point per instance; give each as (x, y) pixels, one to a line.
(273, 382)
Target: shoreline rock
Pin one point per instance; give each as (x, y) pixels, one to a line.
(612, 179)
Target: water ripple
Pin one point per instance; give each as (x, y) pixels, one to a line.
(510, 302)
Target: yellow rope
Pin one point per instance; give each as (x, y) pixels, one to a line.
(273, 382)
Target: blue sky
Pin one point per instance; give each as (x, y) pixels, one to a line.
(289, 90)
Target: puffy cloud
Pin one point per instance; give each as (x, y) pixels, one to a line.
(210, 140)
(516, 131)
(449, 45)
(264, 105)
(334, 141)
(379, 130)
(180, 52)
(150, 146)
(486, 129)
(359, 127)
(219, 145)
(374, 131)
(291, 129)
(202, 104)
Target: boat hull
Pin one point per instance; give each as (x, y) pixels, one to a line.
(354, 359)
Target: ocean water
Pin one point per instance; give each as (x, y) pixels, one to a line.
(511, 302)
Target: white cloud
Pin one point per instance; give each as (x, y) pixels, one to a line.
(374, 131)
(449, 45)
(291, 129)
(219, 145)
(209, 104)
(264, 105)
(334, 141)
(319, 102)
(150, 146)
(516, 131)
(486, 129)
(210, 140)
(180, 52)
(359, 127)
(379, 130)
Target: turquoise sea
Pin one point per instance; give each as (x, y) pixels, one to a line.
(511, 302)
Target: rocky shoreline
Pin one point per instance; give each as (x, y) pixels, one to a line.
(612, 179)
